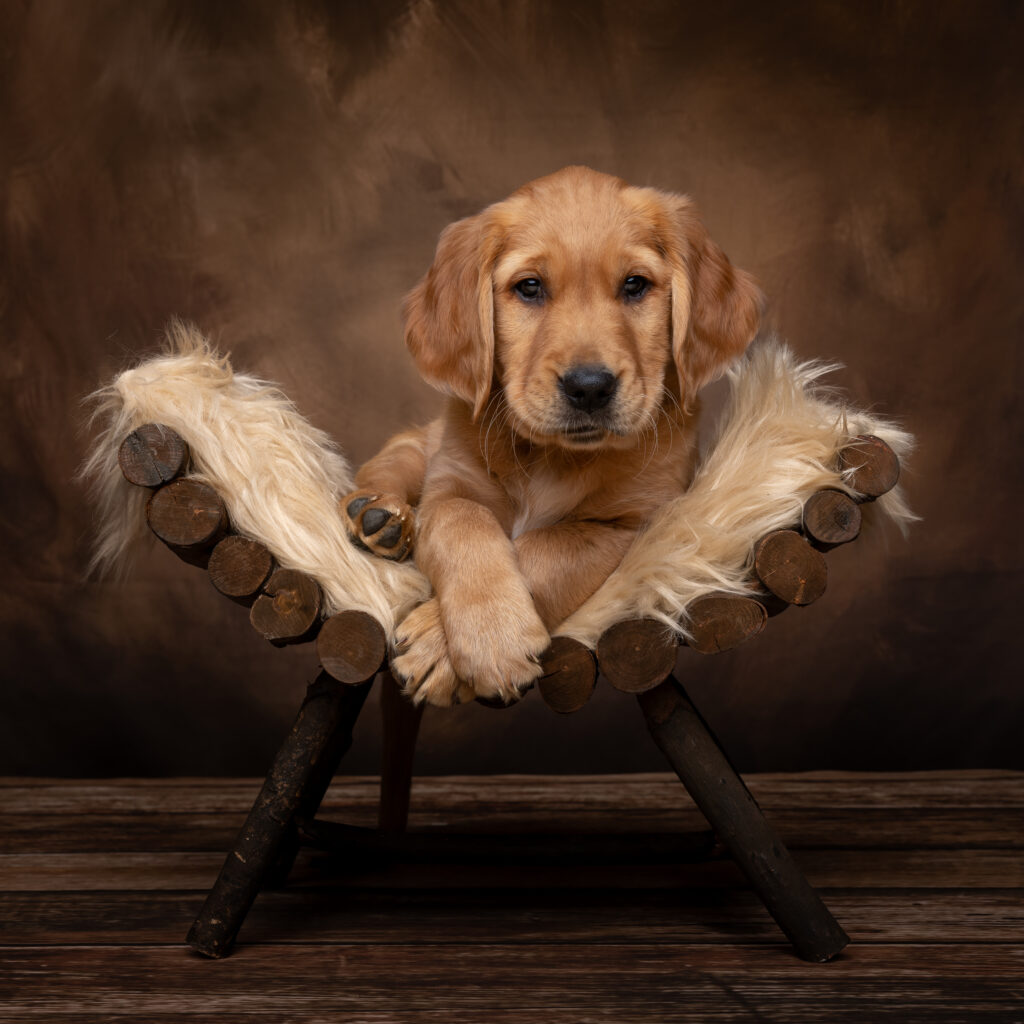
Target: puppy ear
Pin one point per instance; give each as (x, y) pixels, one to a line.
(449, 315)
(716, 307)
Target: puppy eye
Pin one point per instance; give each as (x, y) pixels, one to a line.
(635, 286)
(530, 288)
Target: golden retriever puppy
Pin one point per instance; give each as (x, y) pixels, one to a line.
(572, 326)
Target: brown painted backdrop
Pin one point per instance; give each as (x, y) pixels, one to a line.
(279, 173)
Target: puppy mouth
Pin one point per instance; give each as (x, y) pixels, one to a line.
(587, 433)
(554, 423)
(583, 433)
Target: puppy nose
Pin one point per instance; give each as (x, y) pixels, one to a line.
(588, 387)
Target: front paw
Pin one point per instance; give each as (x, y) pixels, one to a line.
(422, 660)
(496, 642)
(379, 523)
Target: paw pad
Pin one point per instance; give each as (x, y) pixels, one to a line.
(379, 523)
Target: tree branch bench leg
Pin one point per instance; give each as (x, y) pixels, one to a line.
(400, 724)
(725, 801)
(326, 718)
(313, 793)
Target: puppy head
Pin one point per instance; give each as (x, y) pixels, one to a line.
(584, 300)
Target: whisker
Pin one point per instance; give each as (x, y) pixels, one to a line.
(489, 416)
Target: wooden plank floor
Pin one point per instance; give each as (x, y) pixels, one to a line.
(99, 882)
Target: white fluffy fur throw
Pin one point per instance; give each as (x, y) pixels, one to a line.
(281, 479)
(279, 476)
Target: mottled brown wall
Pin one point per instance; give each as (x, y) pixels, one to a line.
(279, 173)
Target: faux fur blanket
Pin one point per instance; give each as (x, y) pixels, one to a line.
(281, 480)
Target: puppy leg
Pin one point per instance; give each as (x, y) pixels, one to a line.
(564, 564)
(422, 660)
(379, 515)
(493, 632)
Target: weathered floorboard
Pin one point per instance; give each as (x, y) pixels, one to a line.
(441, 916)
(100, 880)
(465, 794)
(963, 869)
(800, 828)
(687, 982)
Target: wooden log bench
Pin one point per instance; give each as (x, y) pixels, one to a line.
(636, 657)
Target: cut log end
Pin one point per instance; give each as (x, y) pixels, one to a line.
(831, 518)
(152, 455)
(790, 568)
(351, 646)
(720, 623)
(288, 610)
(570, 674)
(637, 654)
(187, 514)
(870, 466)
(239, 567)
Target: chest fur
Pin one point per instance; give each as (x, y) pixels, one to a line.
(543, 497)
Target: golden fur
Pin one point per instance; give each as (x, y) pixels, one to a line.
(534, 484)
(281, 478)
(523, 531)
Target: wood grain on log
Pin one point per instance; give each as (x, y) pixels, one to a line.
(288, 610)
(570, 674)
(719, 623)
(875, 467)
(636, 654)
(187, 513)
(152, 455)
(831, 518)
(351, 646)
(239, 567)
(790, 568)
